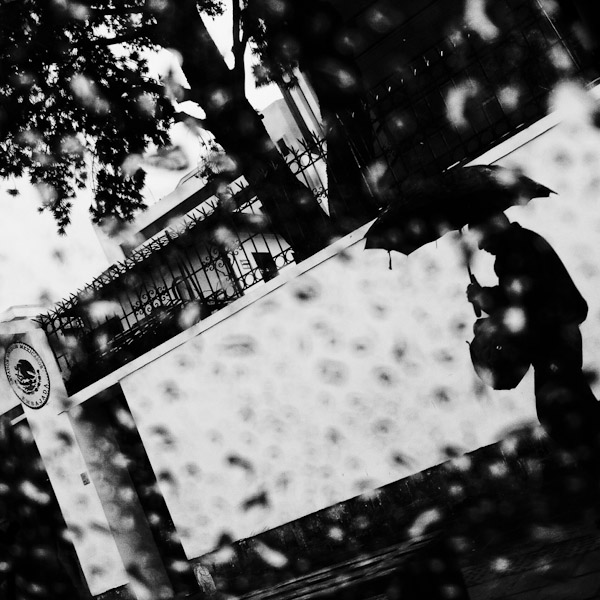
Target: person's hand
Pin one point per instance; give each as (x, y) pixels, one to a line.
(475, 296)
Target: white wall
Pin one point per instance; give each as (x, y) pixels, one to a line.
(279, 123)
(352, 375)
(364, 382)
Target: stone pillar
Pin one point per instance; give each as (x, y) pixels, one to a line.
(31, 376)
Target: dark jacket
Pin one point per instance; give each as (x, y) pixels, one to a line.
(531, 276)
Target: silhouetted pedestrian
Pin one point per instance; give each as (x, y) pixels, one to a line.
(538, 307)
(533, 283)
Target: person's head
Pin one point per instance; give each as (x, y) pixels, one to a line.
(489, 232)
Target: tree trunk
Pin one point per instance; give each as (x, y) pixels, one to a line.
(338, 83)
(321, 45)
(291, 207)
(349, 152)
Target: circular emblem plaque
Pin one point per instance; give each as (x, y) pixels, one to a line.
(27, 375)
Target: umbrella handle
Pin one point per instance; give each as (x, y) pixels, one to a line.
(473, 280)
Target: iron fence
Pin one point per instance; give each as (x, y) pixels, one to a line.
(167, 285)
(309, 164)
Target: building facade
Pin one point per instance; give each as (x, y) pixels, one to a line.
(215, 418)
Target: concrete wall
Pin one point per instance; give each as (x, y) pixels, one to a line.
(280, 124)
(347, 378)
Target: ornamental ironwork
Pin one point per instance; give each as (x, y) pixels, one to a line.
(167, 285)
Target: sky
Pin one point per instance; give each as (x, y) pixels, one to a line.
(37, 265)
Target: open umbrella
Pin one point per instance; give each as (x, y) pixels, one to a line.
(427, 208)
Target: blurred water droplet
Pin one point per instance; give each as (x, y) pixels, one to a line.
(272, 557)
(424, 521)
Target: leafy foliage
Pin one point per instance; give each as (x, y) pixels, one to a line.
(68, 93)
(72, 92)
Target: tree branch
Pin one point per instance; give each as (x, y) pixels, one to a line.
(245, 40)
(239, 43)
(237, 18)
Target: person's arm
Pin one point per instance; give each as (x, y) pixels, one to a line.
(487, 299)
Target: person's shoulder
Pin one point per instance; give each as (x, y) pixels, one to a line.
(517, 235)
(528, 236)
(517, 229)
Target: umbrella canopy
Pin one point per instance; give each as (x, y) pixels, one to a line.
(429, 207)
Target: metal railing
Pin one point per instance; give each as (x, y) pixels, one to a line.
(309, 164)
(167, 285)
